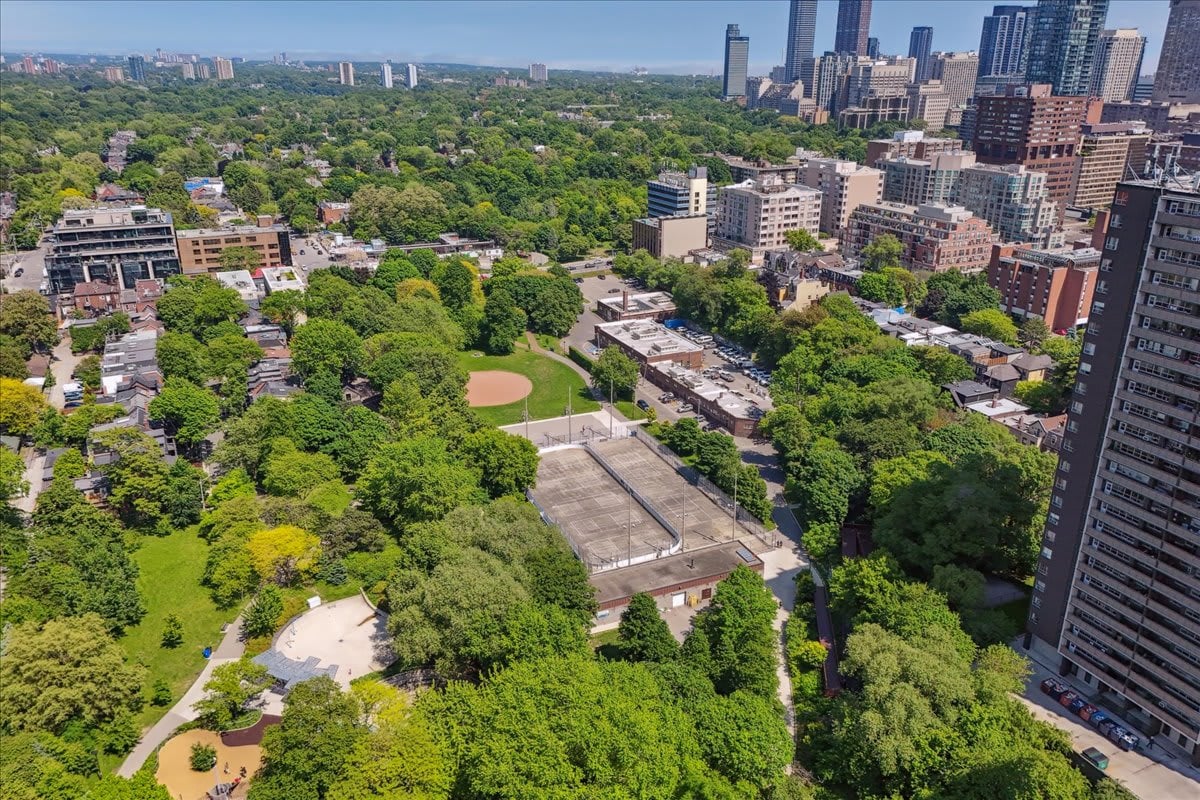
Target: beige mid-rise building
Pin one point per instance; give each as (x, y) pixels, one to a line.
(758, 214)
(200, 250)
(345, 73)
(1108, 153)
(957, 72)
(223, 68)
(671, 237)
(844, 186)
(917, 181)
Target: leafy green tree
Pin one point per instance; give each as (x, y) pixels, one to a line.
(262, 617)
(416, 480)
(193, 305)
(306, 754)
(326, 345)
(295, 474)
(992, 323)
(1042, 397)
(67, 670)
(228, 689)
(1032, 332)
(615, 370)
(744, 738)
(241, 258)
(508, 464)
(283, 554)
(191, 410)
(802, 241)
(180, 356)
(879, 288)
(12, 475)
(203, 757)
(172, 635)
(22, 407)
(283, 307)
(503, 323)
(25, 316)
(643, 635)
(739, 640)
(882, 252)
(941, 365)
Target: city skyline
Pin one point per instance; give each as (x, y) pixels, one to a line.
(514, 34)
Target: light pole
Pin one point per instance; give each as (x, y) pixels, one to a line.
(733, 524)
(610, 408)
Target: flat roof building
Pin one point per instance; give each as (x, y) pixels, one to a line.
(112, 245)
(1118, 63)
(671, 237)
(935, 237)
(680, 193)
(1179, 63)
(1013, 200)
(915, 181)
(1052, 285)
(242, 282)
(728, 408)
(657, 306)
(913, 144)
(200, 250)
(279, 279)
(648, 342)
(1108, 153)
(346, 73)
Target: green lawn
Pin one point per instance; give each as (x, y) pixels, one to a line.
(553, 383)
(630, 410)
(170, 571)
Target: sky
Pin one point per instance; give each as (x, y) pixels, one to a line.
(676, 36)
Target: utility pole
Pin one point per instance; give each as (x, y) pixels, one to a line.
(610, 408)
(629, 525)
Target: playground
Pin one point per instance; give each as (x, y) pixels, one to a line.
(175, 771)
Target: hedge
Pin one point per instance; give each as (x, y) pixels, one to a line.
(580, 358)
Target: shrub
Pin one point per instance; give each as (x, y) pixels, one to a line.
(172, 635)
(580, 358)
(204, 757)
(160, 694)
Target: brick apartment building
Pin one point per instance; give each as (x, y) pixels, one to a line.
(935, 237)
(200, 250)
(1053, 285)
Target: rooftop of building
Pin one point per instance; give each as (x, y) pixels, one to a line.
(645, 301)
(730, 401)
(663, 573)
(657, 222)
(280, 278)
(109, 217)
(957, 159)
(939, 212)
(226, 230)
(1057, 257)
(239, 280)
(772, 185)
(915, 136)
(648, 338)
(843, 167)
(998, 407)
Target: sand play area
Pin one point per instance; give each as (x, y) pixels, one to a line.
(494, 387)
(175, 773)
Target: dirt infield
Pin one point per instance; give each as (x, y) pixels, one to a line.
(495, 387)
(182, 781)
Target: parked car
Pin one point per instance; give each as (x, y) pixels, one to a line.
(1096, 758)
(602, 277)
(666, 397)
(613, 291)
(726, 376)
(643, 405)
(686, 407)
(18, 272)
(578, 280)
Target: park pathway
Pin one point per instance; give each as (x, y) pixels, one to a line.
(536, 347)
(230, 649)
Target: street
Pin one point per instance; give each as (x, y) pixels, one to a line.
(314, 254)
(31, 263)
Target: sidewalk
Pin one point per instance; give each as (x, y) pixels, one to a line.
(230, 649)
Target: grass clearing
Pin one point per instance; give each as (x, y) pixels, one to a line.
(630, 410)
(604, 644)
(171, 568)
(553, 383)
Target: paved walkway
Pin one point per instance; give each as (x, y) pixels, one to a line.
(61, 367)
(230, 649)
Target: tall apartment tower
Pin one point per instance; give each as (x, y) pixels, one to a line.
(188, 70)
(137, 68)
(872, 47)
(385, 74)
(410, 75)
(957, 72)
(1028, 125)
(1118, 64)
(920, 43)
(1002, 43)
(1116, 593)
(853, 27)
(346, 73)
(1179, 64)
(1063, 39)
(223, 67)
(802, 31)
(737, 56)
(538, 73)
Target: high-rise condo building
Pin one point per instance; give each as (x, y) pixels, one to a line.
(410, 74)
(1014, 201)
(1109, 153)
(844, 185)
(188, 70)
(1028, 125)
(872, 47)
(737, 56)
(916, 181)
(1002, 43)
(802, 30)
(223, 67)
(853, 27)
(920, 43)
(115, 74)
(1176, 80)
(1115, 595)
(137, 68)
(538, 73)
(345, 73)
(758, 214)
(1118, 63)
(1062, 43)
(385, 74)
(203, 72)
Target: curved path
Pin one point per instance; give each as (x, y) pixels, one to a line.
(230, 649)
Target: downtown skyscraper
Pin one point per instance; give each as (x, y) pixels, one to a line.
(1002, 43)
(1116, 593)
(1062, 44)
(802, 31)
(737, 58)
(1178, 77)
(853, 27)
(920, 43)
